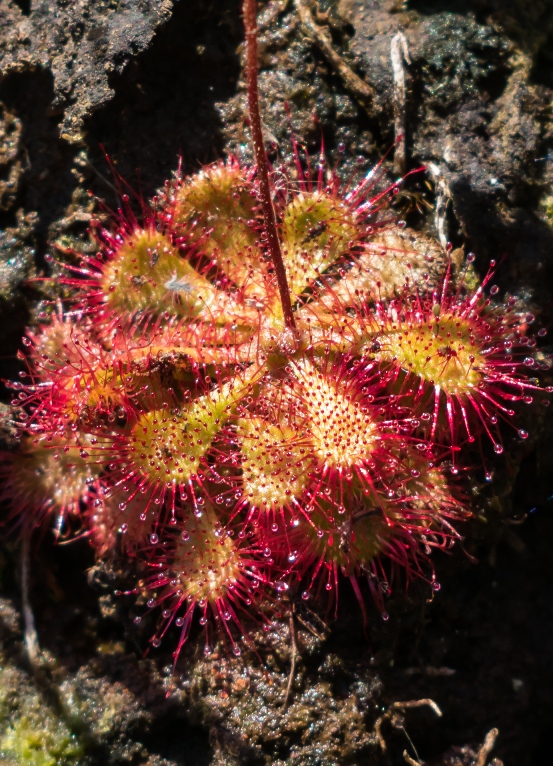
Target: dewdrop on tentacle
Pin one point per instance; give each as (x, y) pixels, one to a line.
(119, 526)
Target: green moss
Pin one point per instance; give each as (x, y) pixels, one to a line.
(547, 207)
(39, 741)
(31, 733)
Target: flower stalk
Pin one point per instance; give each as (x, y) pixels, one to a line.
(269, 220)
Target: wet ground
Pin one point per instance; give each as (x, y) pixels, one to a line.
(147, 82)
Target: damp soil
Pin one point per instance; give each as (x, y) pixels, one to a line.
(147, 83)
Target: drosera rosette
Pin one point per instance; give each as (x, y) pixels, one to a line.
(462, 359)
(198, 566)
(245, 390)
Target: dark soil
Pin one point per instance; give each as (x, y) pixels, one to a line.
(148, 82)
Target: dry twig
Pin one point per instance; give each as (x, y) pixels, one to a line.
(393, 715)
(361, 90)
(487, 747)
(399, 54)
(443, 196)
(293, 659)
(30, 636)
(321, 635)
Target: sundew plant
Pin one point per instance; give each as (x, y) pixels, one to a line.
(245, 395)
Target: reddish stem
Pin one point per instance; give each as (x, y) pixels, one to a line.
(273, 243)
